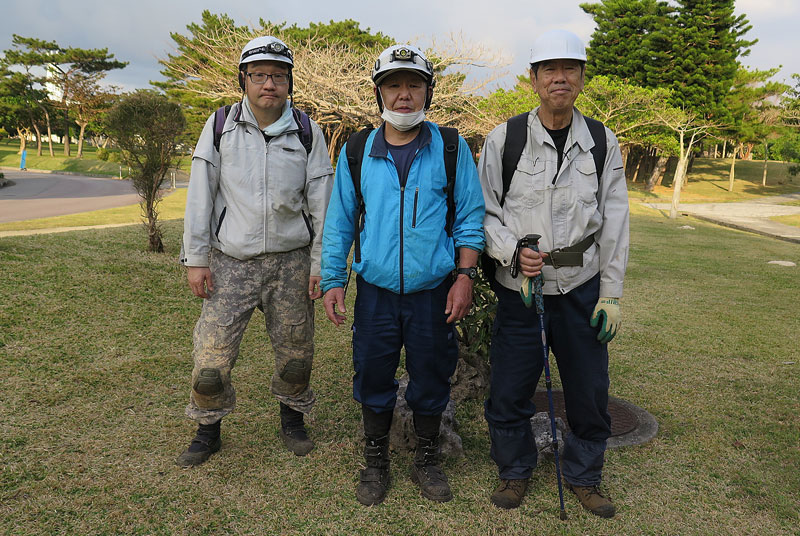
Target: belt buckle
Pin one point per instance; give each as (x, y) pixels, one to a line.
(553, 259)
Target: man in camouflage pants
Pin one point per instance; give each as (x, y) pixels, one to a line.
(258, 193)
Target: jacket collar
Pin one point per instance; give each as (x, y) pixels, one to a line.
(580, 132)
(380, 148)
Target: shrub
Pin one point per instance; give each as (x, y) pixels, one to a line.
(794, 170)
(102, 154)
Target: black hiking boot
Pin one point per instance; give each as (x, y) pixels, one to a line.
(426, 471)
(374, 478)
(206, 442)
(293, 431)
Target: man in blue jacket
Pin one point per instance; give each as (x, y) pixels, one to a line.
(406, 294)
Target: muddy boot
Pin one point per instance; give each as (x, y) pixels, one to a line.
(426, 471)
(591, 499)
(293, 431)
(205, 443)
(374, 479)
(509, 493)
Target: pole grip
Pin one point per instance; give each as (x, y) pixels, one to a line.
(532, 242)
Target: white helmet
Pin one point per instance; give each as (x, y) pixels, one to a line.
(402, 58)
(558, 45)
(266, 48)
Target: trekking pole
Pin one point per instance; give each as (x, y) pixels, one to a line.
(532, 241)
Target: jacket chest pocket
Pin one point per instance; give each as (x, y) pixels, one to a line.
(286, 174)
(529, 182)
(585, 182)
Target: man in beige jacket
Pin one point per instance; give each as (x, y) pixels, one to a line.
(259, 189)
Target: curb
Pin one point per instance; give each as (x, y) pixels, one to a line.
(56, 171)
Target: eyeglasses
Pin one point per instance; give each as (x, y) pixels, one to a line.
(279, 79)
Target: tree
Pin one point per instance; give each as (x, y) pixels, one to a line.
(629, 33)
(65, 66)
(90, 101)
(691, 49)
(331, 74)
(146, 126)
(754, 114)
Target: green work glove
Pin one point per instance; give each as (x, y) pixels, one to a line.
(608, 310)
(526, 291)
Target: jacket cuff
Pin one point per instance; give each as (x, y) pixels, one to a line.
(610, 290)
(195, 261)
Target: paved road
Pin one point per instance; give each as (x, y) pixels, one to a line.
(40, 195)
(753, 216)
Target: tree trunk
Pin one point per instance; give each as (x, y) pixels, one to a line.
(766, 155)
(80, 139)
(38, 139)
(66, 133)
(724, 148)
(625, 150)
(676, 181)
(658, 172)
(732, 173)
(716, 146)
(49, 132)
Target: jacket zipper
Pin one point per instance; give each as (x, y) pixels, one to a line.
(219, 225)
(402, 197)
(416, 198)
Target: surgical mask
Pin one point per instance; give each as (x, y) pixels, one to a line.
(403, 122)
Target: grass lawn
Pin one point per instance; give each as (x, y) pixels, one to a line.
(708, 182)
(172, 207)
(95, 339)
(794, 219)
(89, 164)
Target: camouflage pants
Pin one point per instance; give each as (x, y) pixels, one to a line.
(278, 284)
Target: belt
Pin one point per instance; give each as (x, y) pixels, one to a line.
(569, 256)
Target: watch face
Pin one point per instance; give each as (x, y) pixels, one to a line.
(472, 272)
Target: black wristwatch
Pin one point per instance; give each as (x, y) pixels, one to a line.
(471, 272)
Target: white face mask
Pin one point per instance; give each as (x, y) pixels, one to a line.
(403, 122)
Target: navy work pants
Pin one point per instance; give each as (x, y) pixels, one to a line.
(385, 322)
(516, 365)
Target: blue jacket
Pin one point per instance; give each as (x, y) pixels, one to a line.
(404, 244)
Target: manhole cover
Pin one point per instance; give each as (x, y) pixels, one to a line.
(623, 420)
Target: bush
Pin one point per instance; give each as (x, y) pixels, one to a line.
(102, 154)
(114, 156)
(794, 170)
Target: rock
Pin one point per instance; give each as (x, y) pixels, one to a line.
(471, 378)
(687, 227)
(782, 263)
(540, 424)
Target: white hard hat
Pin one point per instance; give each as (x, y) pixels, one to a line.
(266, 48)
(558, 45)
(402, 58)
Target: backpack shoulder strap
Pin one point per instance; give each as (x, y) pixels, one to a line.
(305, 134)
(516, 138)
(219, 123)
(598, 132)
(354, 150)
(450, 139)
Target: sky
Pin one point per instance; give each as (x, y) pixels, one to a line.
(139, 32)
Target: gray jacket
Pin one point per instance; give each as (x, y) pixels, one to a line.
(253, 197)
(564, 212)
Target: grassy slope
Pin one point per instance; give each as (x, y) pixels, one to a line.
(95, 339)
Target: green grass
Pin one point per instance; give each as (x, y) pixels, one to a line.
(95, 342)
(171, 207)
(87, 165)
(793, 219)
(708, 182)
